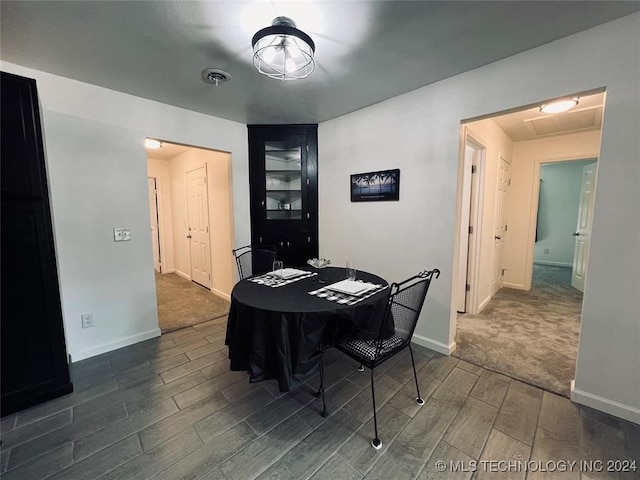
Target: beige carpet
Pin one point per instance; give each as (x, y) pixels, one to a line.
(182, 303)
(528, 335)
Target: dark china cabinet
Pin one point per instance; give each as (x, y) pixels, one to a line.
(283, 169)
(34, 357)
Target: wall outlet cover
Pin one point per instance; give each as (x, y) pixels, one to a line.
(121, 234)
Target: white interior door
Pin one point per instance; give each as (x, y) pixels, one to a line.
(155, 231)
(198, 226)
(583, 227)
(500, 230)
(469, 227)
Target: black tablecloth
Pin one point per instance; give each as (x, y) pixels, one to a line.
(281, 332)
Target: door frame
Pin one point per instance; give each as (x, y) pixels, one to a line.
(158, 215)
(535, 199)
(475, 184)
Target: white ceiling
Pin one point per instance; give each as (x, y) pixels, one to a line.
(366, 51)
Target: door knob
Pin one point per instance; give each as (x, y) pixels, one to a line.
(577, 234)
(497, 237)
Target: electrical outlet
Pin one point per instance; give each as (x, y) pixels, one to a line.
(546, 251)
(87, 320)
(121, 234)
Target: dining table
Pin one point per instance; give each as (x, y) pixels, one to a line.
(280, 329)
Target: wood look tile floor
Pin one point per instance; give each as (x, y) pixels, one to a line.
(169, 408)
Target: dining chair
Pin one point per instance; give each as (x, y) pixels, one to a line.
(252, 260)
(403, 309)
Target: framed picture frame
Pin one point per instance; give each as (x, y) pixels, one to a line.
(383, 185)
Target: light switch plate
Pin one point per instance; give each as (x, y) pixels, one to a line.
(121, 234)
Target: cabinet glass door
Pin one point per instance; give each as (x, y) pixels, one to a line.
(283, 180)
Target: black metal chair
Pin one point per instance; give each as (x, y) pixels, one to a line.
(403, 309)
(252, 260)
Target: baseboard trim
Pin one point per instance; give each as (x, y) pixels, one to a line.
(433, 344)
(182, 274)
(515, 286)
(484, 304)
(107, 347)
(553, 264)
(612, 407)
(220, 293)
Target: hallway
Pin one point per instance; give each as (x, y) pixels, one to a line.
(531, 336)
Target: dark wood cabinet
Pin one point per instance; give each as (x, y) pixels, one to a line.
(34, 357)
(283, 174)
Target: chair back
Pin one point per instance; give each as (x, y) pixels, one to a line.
(405, 303)
(254, 260)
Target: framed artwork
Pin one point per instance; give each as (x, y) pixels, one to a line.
(375, 186)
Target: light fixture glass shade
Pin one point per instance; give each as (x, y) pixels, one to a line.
(559, 106)
(282, 51)
(151, 143)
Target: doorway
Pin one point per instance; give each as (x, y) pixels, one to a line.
(505, 326)
(193, 193)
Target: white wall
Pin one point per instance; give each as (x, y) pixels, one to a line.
(527, 158)
(560, 185)
(97, 165)
(418, 133)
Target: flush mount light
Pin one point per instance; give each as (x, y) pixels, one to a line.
(559, 106)
(151, 143)
(282, 51)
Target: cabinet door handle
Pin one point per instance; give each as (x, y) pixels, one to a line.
(281, 244)
(287, 245)
(262, 203)
(308, 239)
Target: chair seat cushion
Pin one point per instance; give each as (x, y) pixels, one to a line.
(367, 348)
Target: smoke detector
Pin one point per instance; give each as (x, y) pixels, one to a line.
(215, 76)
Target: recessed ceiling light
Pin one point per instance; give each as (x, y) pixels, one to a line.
(559, 106)
(151, 143)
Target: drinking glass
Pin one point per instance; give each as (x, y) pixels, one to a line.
(351, 269)
(277, 268)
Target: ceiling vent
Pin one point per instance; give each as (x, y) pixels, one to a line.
(215, 76)
(569, 122)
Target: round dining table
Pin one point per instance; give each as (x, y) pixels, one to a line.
(281, 332)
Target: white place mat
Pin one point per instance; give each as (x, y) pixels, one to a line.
(344, 298)
(270, 280)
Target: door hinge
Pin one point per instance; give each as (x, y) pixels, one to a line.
(509, 182)
(207, 228)
(473, 169)
(470, 229)
(506, 227)
(467, 287)
(503, 270)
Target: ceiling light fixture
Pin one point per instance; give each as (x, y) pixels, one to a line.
(282, 51)
(151, 143)
(559, 106)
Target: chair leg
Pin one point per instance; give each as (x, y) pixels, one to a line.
(321, 390)
(375, 443)
(419, 399)
(360, 368)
